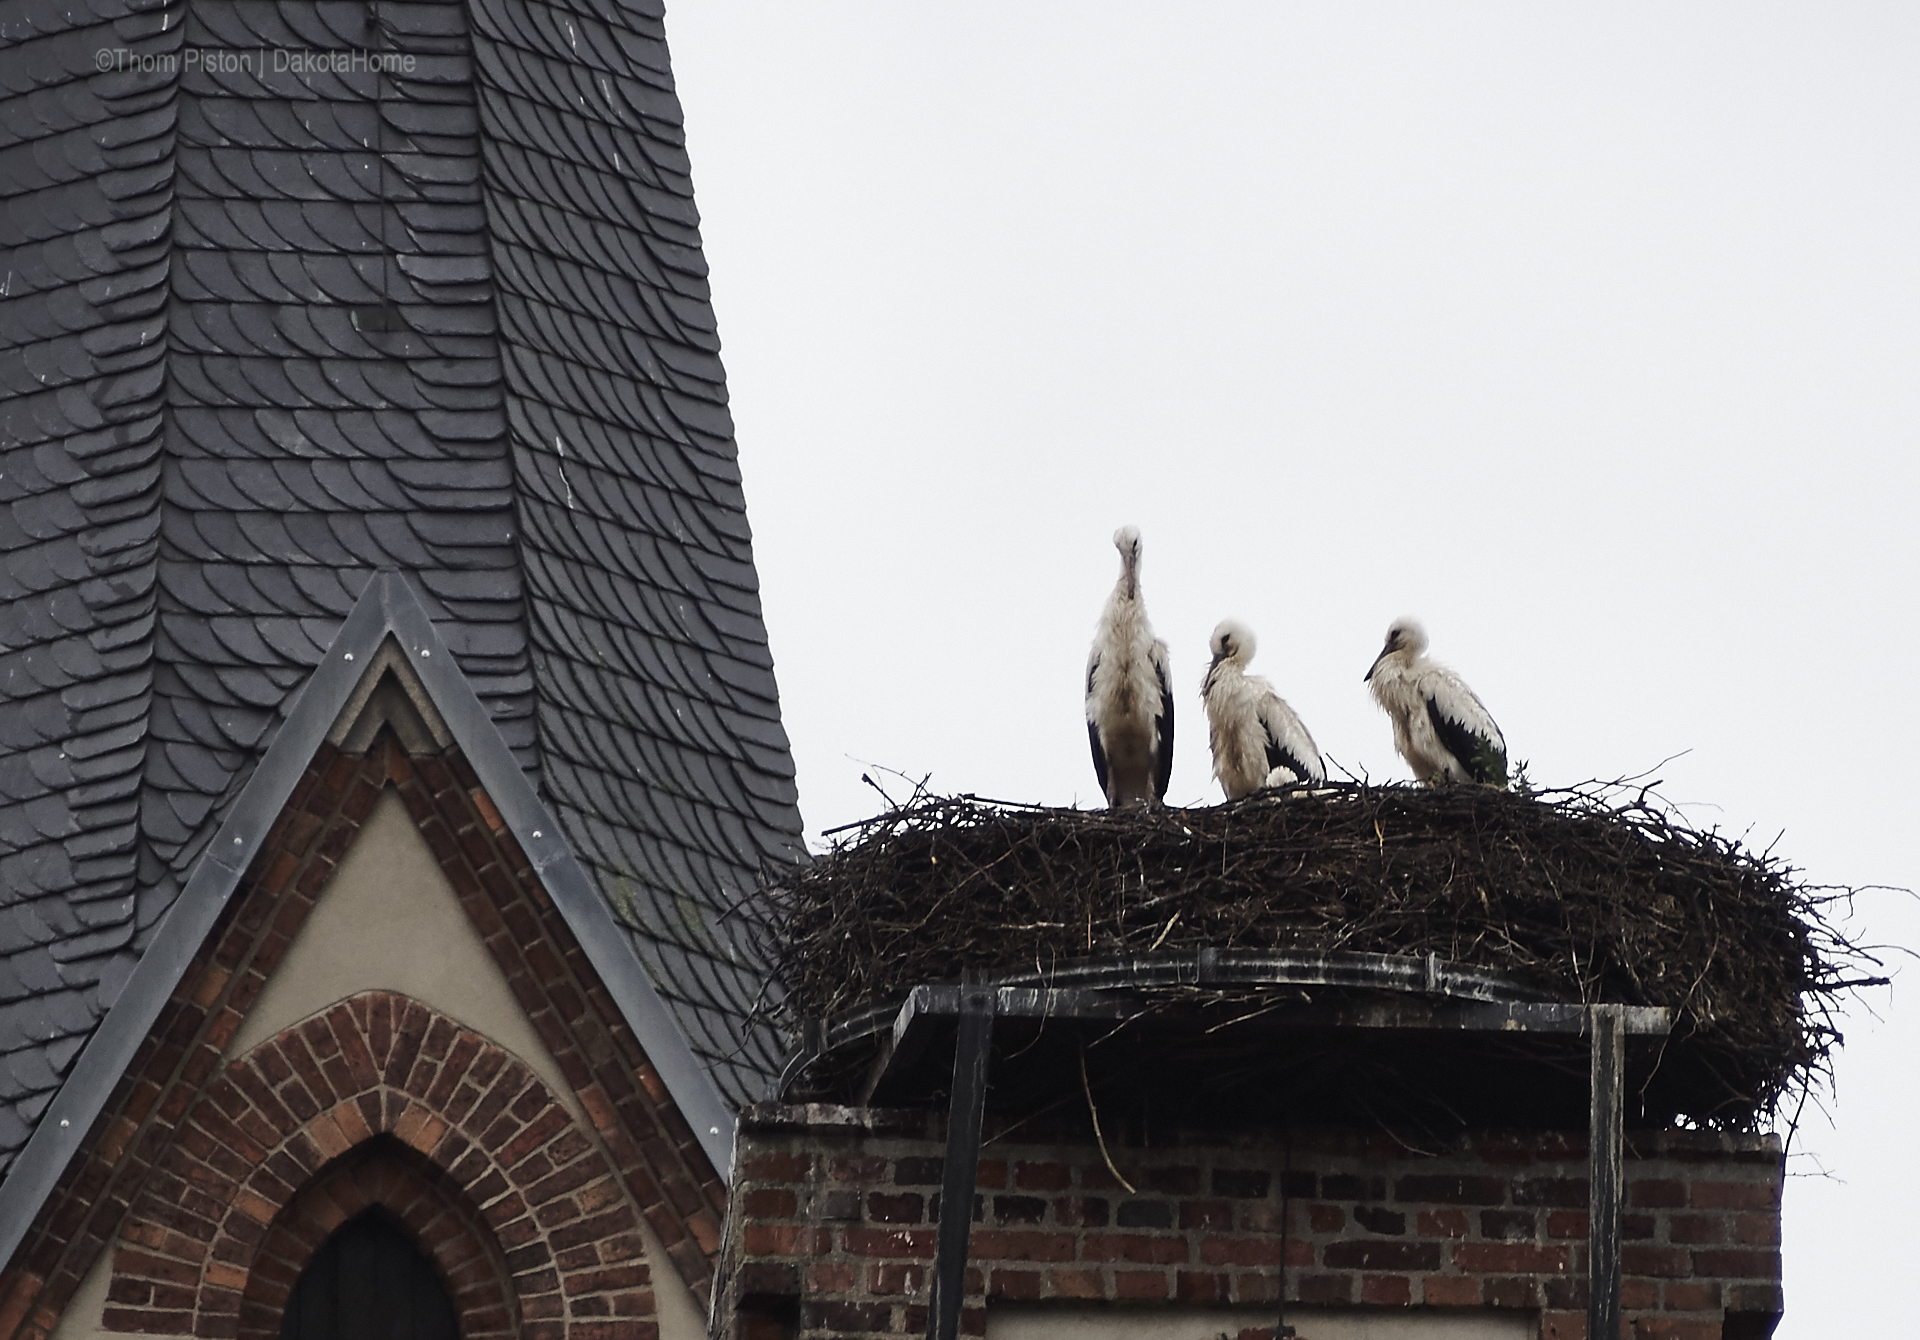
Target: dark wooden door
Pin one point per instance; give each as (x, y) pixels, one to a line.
(369, 1282)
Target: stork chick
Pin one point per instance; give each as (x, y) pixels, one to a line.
(1440, 728)
(1129, 692)
(1257, 739)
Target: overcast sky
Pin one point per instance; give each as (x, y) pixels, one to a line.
(1588, 334)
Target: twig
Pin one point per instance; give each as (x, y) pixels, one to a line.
(1094, 1112)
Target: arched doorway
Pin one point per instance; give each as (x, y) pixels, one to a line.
(369, 1281)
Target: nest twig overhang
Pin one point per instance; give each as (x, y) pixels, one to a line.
(1588, 894)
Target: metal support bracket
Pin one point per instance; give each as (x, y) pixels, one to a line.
(906, 1036)
(970, 1053)
(1605, 1156)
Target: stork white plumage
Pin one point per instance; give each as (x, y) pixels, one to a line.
(1441, 729)
(1129, 691)
(1258, 741)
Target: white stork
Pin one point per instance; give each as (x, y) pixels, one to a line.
(1129, 691)
(1257, 740)
(1440, 728)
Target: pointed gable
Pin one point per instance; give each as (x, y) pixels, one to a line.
(469, 1065)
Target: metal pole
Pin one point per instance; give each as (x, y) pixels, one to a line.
(1605, 1140)
(970, 1052)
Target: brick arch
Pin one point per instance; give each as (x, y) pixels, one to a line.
(381, 1064)
(445, 1225)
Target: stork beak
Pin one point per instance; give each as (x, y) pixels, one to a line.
(1366, 678)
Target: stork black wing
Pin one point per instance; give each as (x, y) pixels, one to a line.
(1279, 756)
(1093, 731)
(1484, 760)
(1163, 765)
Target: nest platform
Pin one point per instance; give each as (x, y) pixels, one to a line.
(1461, 898)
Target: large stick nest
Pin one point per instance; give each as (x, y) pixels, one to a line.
(1590, 894)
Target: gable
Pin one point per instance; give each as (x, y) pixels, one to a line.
(388, 633)
(239, 1095)
(388, 920)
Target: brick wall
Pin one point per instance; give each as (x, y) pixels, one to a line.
(259, 1159)
(836, 1212)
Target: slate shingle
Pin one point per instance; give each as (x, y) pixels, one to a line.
(543, 447)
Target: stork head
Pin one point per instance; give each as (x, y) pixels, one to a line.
(1231, 641)
(1404, 637)
(1127, 541)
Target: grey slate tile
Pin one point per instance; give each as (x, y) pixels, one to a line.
(302, 453)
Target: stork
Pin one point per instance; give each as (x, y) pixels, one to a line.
(1257, 740)
(1129, 692)
(1440, 728)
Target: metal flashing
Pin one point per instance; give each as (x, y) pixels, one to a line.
(388, 607)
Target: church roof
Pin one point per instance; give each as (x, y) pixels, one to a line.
(266, 332)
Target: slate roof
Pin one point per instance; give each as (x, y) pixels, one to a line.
(210, 440)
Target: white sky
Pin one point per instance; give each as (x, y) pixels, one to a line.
(1589, 334)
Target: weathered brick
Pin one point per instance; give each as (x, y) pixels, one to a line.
(1012, 1284)
(1509, 1258)
(1654, 1193)
(786, 1240)
(1568, 1193)
(1200, 1286)
(1508, 1225)
(1063, 1283)
(858, 1168)
(1377, 1219)
(1080, 1212)
(1691, 1296)
(1449, 1290)
(877, 1242)
(919, 1172)
(895, 1277)
(1018, 1209)
(1242, 1183)
(1737, 1264)
(1144, 1214)
(1696, 1229)
(1177, 1181)
(1042, 1176)
(1463, 1189)
(1566, 1223)
(1347, 1186)
(1733, 1195)
(1326, 1290)
(841, 1316)
(1386, 1290)
(905, 1208)
(1144, 1285)
(1368, 1255)
(1675, 1328)
(1136, 1247)
(769, 1203)
(1510, 1291)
